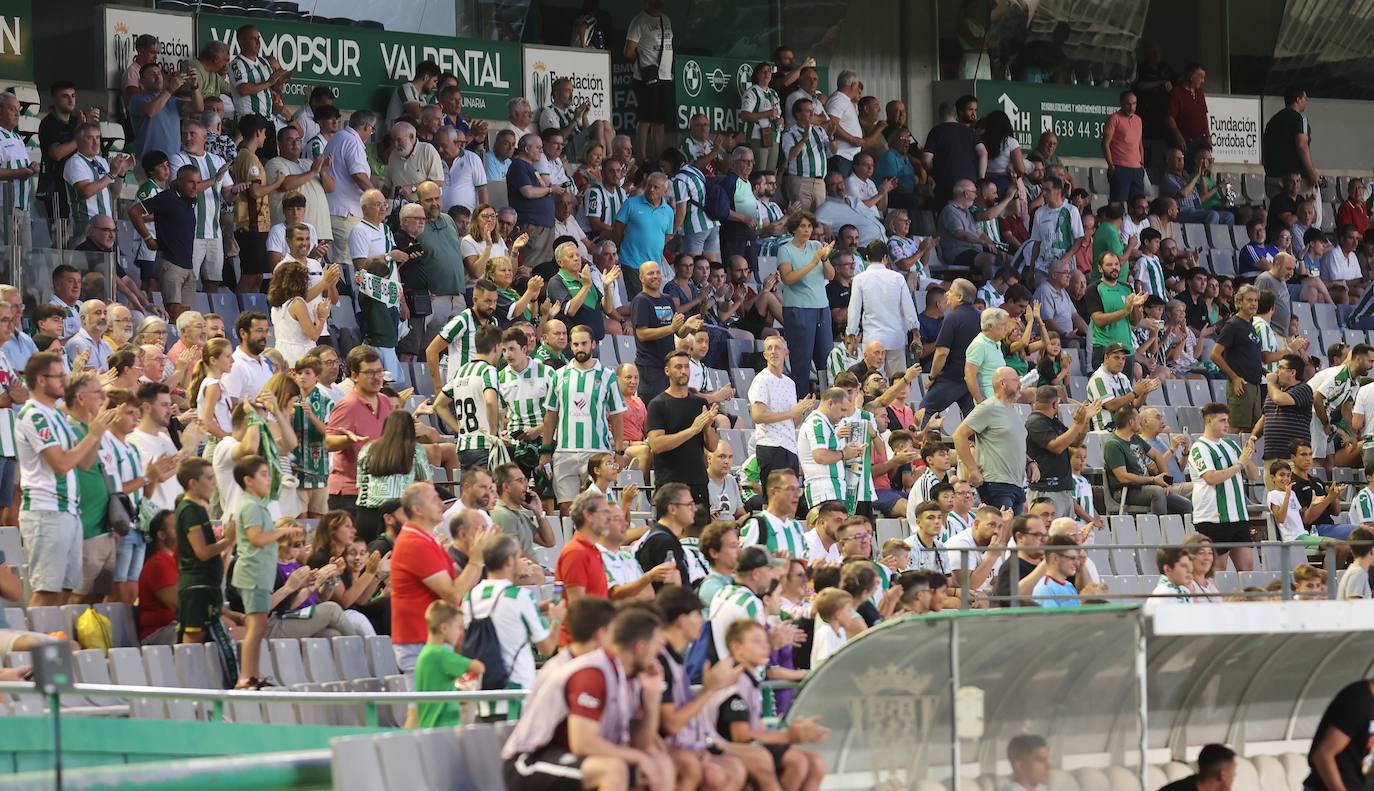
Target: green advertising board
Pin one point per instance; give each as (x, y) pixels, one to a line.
(713, 86)
(1076, 113)
(363, 66)
(16, 40)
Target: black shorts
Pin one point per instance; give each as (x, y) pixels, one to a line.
(549, 769)
(656, 101)
(1225, 533)
(195, 606)
(252, 252)
(778, 751)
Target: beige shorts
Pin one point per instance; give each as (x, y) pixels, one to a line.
(569, 468)
(177, 284)
(97, 565)
(19, 640)
(313, 501)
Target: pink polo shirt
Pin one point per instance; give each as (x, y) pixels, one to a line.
(351, 413)
(1123, 140)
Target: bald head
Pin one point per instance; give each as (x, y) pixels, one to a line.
(1007, 383)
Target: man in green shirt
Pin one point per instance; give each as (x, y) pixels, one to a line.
(1113, 309)
(84, 400)
(200, 566)
(439, 269)
(1108, 239)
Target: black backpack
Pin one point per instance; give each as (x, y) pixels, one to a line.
(717, 205)
(481, 642)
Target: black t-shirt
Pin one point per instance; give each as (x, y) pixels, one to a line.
(668, 673)
(869, 612)
(1306, 490)
(838, 294)
(1014, 565)
(733, 710)
(648, 312)
(53, 131)
(861, 370)
(961, 326)
(1242, 349)
(1055, 475)
(1196, 313)
(1188, 783)
(175, 218)
(954, 148)
(1352, 713)
(382, 545)
(685, 463)
(1278, 146)
(655, 548)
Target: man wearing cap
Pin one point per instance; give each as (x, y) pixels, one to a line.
(756, 573)
(1112, 308)
(1109, 386)
(1047, 445)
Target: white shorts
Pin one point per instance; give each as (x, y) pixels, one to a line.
(207, 259)
(52, 545)
(569, 468)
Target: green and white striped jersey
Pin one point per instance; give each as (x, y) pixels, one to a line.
(584, 399)
(461, 334)
(80, 169)
(1083, 495)
(1362, 507)
(314, 147)
(1268, 341)
(523, 393)
(1151, 273)
(1339, 391)
(209, 203)
(621, 566)
(954, 525)
(38, 428)
(774, 533)
(733, 603)
(689, 187)
(991, 297)
(757, 99)
(554, 117)
(243, 71)
(695, 149)
(14, 155)
(859, 475)
(409, 93)
(1225, 502)
(1104, 386)
(822, 482)
(8, 378)
(472, 371)
(811, 162)
(600, 203)
(839, 361)
(123, 462)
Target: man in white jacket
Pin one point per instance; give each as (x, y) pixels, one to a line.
(881, 308)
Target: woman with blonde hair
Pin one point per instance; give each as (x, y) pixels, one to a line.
(207, 397)
(298, 328)
(484, 241)
(1204, 557)
(512, 306)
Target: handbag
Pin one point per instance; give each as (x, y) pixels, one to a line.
(119, 511)
(420, 302)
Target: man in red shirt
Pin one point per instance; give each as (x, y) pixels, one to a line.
(422, 572)
(1124, 150)
(157, 585)
(1188, 113)
(579, 566)
(356, 420)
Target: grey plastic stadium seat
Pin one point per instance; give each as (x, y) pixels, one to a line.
(122, 626)
(91, 668)
(192, 670)
(380, 656)
(17, 618)
(319, 659)
(399, 754)
(126, 668)
(157, 661)
(351, 655)
(12, 544)
(386, 715)
(47, 620)
(286, 656)
(398, 683)
(354, 765)
(18, 659)
(439, 757)
(479, 748)
(306, 713)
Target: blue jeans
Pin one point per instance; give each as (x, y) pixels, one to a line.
(390, 362)
(999, 495)
(1338, 532)
(1125, 183)
(945, 392)
(1207, 216)
(809, 341)
(129, 553)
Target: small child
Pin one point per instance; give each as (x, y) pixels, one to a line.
(1150, 272)
(439, 666)
(1176, 572)
(834, 608)
(1285, 508)
(843, 356)
(1084, 509)
(1309, 583)
(198, 551)
(902, 477)
(255, 569)
(379, 298)
(310, 458)
(1354, 582)
(1061, 564)
(1054, 365)
(896, 556)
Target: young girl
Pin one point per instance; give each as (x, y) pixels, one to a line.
(1054, 365)
(386, 467)
(834, 608)
(207, 397)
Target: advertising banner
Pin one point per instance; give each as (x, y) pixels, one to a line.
(1235, 125)
(363, 66)
(120, 25)
(1076, 113)
(713, 86)
(16, 40)
(589, 70)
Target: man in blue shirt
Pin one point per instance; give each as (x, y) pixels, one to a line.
(156, 110)
(1061, 563)
(642, 227)
(532, 198)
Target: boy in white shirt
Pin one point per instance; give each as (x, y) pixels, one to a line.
(1354, 582)
(834, 608)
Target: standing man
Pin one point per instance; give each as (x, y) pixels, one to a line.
(1113, 309)
(16, 167)
(962, 323)
(1287, 411)
(681, 430)
(458, 338)
(465, 176)
(1188, 113)
(153, 440)
(1124, 149)
(253, 80)
(1275, 281)
(1219, 467)
(531, 196)
(90, 177)
(583, 417)
(474, 445)
(649, 46)
(1238, 354)
(346, 163)
(999, 468)
(156, 110)
(251, 369)
(656, 322)
(207, 249)
(953, 153)
(825, 454)
(579, 567)
(842, 107)
(806, 149)
(437, 270)
(776, 412)
(57, 137)
(174, 214)
(880, 308)
(1286, 146)
(305, 176)
(642, 227)
(357, 419)
(1047, 444)
(49, 454)
(420, 89)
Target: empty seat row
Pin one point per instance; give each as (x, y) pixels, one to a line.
(465, 759)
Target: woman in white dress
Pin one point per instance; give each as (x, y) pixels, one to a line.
(297, 327)
(207, 397)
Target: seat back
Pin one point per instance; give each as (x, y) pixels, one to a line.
(399, 754)
(126, 668)
(380, 655)
(286, 655)
(354, 764)
(157, 662)
(319, 659)
(351, 656)
(440, 757)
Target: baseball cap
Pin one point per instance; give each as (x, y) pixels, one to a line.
(1114, 348)
(751, 558)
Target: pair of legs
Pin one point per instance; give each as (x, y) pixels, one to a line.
(697, 769)
(808, 343)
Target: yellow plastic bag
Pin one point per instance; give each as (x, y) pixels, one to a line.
(93, 630)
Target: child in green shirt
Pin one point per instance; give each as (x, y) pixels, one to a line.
(439, 666)
(255, 569)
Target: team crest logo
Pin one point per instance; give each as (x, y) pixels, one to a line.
(894, 707)
(580, 403)
(45, 434)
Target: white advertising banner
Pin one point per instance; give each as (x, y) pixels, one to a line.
(1235, 125)
(589, 70)
(176, 36)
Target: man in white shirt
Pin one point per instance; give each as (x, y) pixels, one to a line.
(991, 528)
(823, 540)
(839, 210)
(293, 213)
(842, 107)
(649, 44)
(153, 441)
(411, 162)
(347, 165)
(250, 370)
(1029, 757)
(880, 308)
(776, 412)
(1340, 265)
(807, 83)
(860, 186)
(465, 177)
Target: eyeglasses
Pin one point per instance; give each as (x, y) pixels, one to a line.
(689, 504)
(371, 372)
(860, 537)
(1039, 535)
